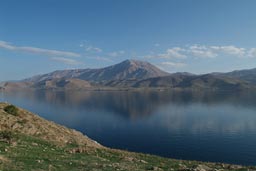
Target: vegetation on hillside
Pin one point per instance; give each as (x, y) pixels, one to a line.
(11, 109)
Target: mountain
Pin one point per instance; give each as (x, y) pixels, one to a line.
(248, 75)
(128, 69)
(136, 74)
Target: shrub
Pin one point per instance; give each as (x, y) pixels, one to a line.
(6, 135)
(11, 109)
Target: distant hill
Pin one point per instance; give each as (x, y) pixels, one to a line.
(136, 74)
(206, 81)
(70, 83)
(15, 85)
(248, 75)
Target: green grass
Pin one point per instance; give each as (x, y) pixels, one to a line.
(31, 153)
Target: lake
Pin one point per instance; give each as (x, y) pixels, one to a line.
(205, 126)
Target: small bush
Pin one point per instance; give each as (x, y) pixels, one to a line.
(6, 135)
(11, 109)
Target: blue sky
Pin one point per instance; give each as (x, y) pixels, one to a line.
(195, 36)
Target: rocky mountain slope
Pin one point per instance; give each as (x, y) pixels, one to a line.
(28, 142)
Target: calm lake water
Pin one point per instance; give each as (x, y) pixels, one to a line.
(217, 127)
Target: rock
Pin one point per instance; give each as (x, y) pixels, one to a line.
(34, 144)
(157, 168)
(154, 168)
(39, 161)
(236, 167)
(77, 150)
(203, 168)
(183, 167)
(143, 161)
(130, 159)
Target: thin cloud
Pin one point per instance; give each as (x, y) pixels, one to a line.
(215, 51)
(35, 50)
(156, 44)
(203, 51)
(117, 53)
(89, 48)
(175, 52)
(172, 64)
(231, 50)
(93, 49)
(66, 61)
(98, 58)
(252, 53)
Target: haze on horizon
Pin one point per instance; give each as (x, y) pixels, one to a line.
(176, 35)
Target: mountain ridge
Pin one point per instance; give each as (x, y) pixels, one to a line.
(136, 74)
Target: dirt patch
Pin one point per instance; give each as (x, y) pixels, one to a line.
(4, 159)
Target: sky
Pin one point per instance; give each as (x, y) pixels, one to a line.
(196, 36)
